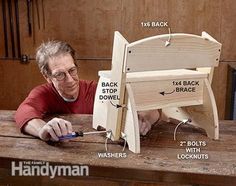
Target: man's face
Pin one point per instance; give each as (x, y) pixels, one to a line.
(64, 76)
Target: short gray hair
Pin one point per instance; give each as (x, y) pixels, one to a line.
(51, 49)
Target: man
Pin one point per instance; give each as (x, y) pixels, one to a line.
(64, 93)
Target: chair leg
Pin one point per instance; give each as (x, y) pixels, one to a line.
(100, 107)
(204, 116)
(131, 127)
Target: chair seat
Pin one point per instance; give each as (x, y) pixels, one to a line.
(164, 88)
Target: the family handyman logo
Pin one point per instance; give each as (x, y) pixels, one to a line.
(32, 168)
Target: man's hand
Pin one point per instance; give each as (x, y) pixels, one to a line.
(54, 129)
(146, 119)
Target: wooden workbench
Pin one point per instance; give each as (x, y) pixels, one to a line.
(157, 163)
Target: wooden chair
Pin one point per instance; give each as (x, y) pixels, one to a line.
(152, 75)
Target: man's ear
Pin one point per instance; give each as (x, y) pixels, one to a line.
(47, 78)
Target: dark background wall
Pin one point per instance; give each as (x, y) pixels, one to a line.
(89, 25)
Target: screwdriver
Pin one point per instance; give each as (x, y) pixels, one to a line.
(79, 134)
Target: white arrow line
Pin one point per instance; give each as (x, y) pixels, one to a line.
(167, 43)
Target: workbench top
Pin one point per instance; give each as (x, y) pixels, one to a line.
(161, 159)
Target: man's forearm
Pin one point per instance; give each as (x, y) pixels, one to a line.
(33, 127)
(51, 130)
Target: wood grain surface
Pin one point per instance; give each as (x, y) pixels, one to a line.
(157, 161)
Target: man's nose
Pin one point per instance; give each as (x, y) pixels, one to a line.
(69, 78)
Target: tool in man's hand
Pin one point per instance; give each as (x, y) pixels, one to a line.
(79, 134)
